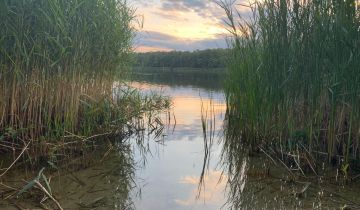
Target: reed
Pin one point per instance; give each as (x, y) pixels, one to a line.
(293, 76)
(58, 63)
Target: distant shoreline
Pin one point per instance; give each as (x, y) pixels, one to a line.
(155, 70)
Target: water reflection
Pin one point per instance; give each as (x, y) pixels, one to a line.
(256, 181)
(171, 176)
(244, 179)
(203, 80)
(170, 172)
(213, 189)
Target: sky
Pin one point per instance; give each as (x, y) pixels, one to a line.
(182, 25)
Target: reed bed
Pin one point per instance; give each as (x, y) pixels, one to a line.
(293, 80)
(58, 63)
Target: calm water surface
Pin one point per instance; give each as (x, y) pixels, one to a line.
(163, 173)
(234, 180)
(170, 177)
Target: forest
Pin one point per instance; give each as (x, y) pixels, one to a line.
(210, 58)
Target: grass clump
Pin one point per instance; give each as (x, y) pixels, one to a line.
(54, 56)
(58, 63)
(293, 79)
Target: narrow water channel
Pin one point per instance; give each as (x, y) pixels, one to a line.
(171, 173)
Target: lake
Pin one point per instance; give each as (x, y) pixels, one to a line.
(183, 160)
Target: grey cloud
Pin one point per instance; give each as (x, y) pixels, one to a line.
(157, 39)
(143, 3)
(207, 9)
(184, 4)
(168, 16)
(167, 6)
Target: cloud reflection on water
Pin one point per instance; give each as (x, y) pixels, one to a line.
(211, 194)
(172, 177)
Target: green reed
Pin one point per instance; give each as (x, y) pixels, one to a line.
(53, 54)
(293, 76)
(58, 63)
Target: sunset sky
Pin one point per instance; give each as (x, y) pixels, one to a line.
(179, 25)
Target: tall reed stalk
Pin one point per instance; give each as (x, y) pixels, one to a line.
(58, 62)
(293, 76)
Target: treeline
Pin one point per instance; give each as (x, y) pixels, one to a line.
(210, 58)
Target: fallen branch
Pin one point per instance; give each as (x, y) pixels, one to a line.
(83, 140)
(13, 163)
(268, 155)
(48, 194)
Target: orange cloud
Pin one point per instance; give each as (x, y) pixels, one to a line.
(195, 24)
(151, 49)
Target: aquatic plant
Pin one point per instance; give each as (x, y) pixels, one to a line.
(59, 61)
(53, 54)
(293, 77)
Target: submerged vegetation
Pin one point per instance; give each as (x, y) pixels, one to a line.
(293, 82)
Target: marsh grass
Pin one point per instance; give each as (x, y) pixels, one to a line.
(60, 66)
(59, 61)
(53, 54)
(87, 165)
(293, 81)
